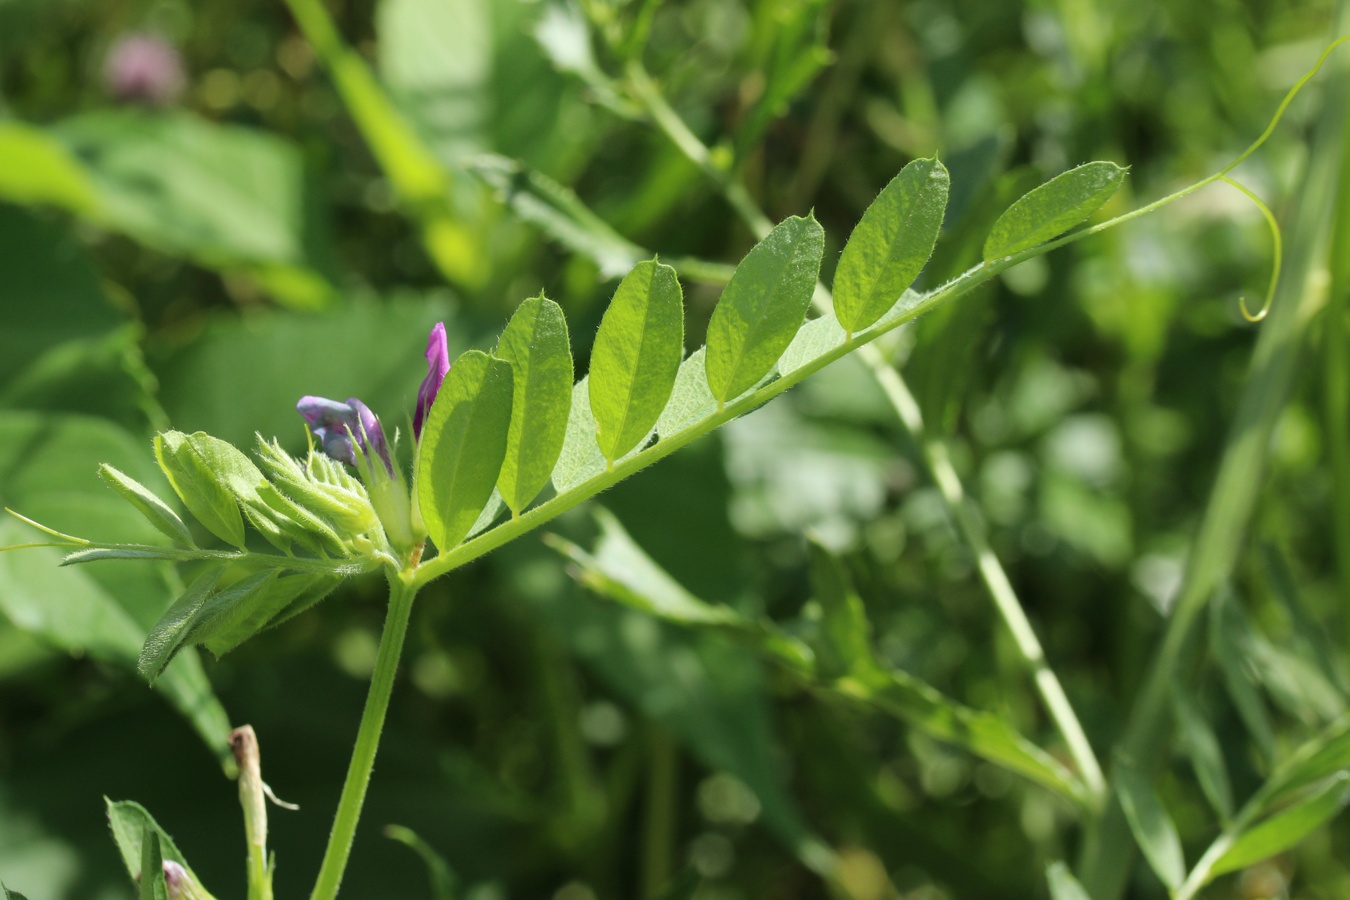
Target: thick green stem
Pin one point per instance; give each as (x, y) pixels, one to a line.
(401, 593)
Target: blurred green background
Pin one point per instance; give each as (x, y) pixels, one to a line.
(202, 259)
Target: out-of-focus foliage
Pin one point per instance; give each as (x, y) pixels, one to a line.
(202, 265)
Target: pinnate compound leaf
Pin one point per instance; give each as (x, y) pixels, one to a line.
(536, 345)
(891, 244)
(129, 822)
(199, 488)
(463, 446)
(1152, 827)
(1063, 886)
(155, 510)
(1053, 208)
(636, 357)
(152, 866)
(1286, 828)
(763, 306)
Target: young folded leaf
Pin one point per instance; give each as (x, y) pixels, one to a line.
(636, 355)
(155, 510)
(271, 603)
(463, 445)
(276, 517)
(152, 867)
(200, 603)
(1287, 828)
(891, 244)
(128, 821)
(198, 486)
(535, 343)
(763, 306)
(1053, 208)
(1152, 827)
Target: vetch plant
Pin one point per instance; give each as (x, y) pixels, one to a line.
(505, 441)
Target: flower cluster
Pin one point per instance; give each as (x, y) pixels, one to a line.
(350, 433)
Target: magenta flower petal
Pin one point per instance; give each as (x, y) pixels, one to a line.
(438, 364)
(144, 68)
(369, 434)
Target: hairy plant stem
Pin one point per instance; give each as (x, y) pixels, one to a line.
(935, 454)
(402, 589)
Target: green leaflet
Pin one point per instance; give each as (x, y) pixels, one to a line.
(1153, 829)
(763, 306)
(891, 244)
(1201, 745)
(1063, 886)
(129, 822)
(535, 343)
(36, 168)
(636, 356)
(1287, 828)
(845, 640)
(152, 866)
(580, 459)
(155, 510)
(188, 613)
(463, 445)
(1053, 208)
(438, 870)
(11, 895)
(690, 401)
(197, 486)
(1328, 754)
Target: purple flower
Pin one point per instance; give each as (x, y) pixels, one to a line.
(337, 425)
(438, 364)
(143, 68)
